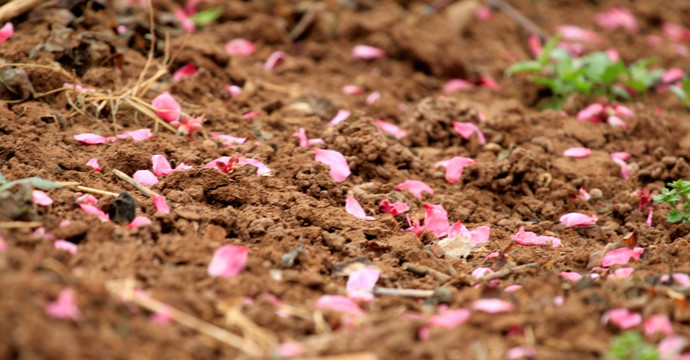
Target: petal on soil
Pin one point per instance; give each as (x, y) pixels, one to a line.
(479, 235)
(138, 222)
(261, 168)
(620, 155)
(658, 324)
(372, 98)
(160, 204)
(450, 319)
(87, 199)
(529, 238)
(512, 288)
(623, 318)
(162, 316)
(94, 164)
(250, 115)
(228, 261)
(341, 116)
(577, 34)
(454, 167)
(227, 140)
(167, 108)
(161, 165)
(577, 152)
(65, 307)
(577, 219)
(625, 170)
(145, 177)
(436, 220)
(521, 352)
(455, 85)
(276, 58)
(136, 135)
(184, 72)
(466, 129)
(391, 129)
(590, 112)
(621, 256)
(93, 210)
(41, 198)
(415, 187)
(366, 52)
(233, 90)
(613, 54)
(492, 306)
(66, 246)
(91, 139)
(535, 45)
(353, 208)
(490, 83)
(622, 273)
(681, 278)
(570, 275)
(6, 31)
(339, 303)
(352, 90)
(301, 134)
(242, 47)
(614, 120)
(360, 284)
(623, 111)
(616, 17)
(290, 349)
(582, 193)
(671, 346)
(396, 208)
(481, 272)
(672, 75)
(340, 170)
(483, 13)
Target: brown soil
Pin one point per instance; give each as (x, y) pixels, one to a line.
(520, 179)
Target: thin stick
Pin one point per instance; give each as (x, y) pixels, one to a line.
(89, 190)
(19, 224)
(415, 293)
(424, 270)
(520, 19)
(146, 191)
(506, 272)
(15, 8)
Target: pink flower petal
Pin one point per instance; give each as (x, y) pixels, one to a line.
(649, 216)
(623, 111)
(3, 244)
(290, 349)
(577, 152)
(415, 187)
(529, 238)
(450, 319)
(658, 324)
(6, 31)
(250, 115)
(535, 45)
(617, 17)
(301, 134)
(672, 75)
(483, 13)
(479, 235)
(372, 98)
(261, 168)
(621, 256)
(680, 278)
(229, 141)
(162, 316)
(521, 352)
(622, 273)
(582, 193)
(366, 52)
(340, 170)
(65, 307)
(436, 220)
(577, 219)
(454, 167)
(391, 129)
(341, 116)
(613, 54)
(396, 209)
(145, 177)
(138, 222)
(93, 210)
(490, 83)
(41, 198)
(620, 155)
(240, 47)
(136, 135)
(233, 90)
(455, 85)
(276, 58)
(355, 209)
(570, 275)
(625, 170)
(228, 261)
(614, 120)
(161, 166)
(671, 346)
(87, 199)
(185, 21)
(94, 164)
(352, 90)
(577, 34)
(590, 112)
(339, 303)
(481, 272)
(167, 108)
(466, 129)
(66, 246)
(184, 72)
(91, 139)
(512, 288)
(623, 318)
(492, 306)
(160, 204)
(673, 32)
(360, 284)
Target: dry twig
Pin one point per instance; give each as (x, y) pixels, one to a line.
(425, 270)
(506, 272)
(15, 8)
(146, 191)
(416, 293)
(520, 19)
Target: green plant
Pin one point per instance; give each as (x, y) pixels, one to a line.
(682, 91)
(592, 75)
(630, 345)
(674, 193)
(208, 16)
(18, 205)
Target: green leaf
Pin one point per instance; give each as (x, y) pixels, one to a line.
(675, 216)
(36, 182)
(548, 49)
(3, 181)
(596, 65)
(207, 16)
(524, 66)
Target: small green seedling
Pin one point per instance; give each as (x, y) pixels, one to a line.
(676, 192)
(630, 345)
(207, 16)
(682, 91)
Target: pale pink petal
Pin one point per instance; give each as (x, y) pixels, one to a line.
(250, 115)
(276, 58)
(558, 301)
(185, 21)
(481, 272)
(570, 275)
(492, 255)
(483, 13)
(352, 90)
(396, 209)
(6, 31)
(521, 352)
(654, 40)
(229, 141)
(65, 307)
(353, 208)
(41, 198)
(617, 17)
(182, 166)
(577, 219)
(366, 52)
(240, 47)
(512, 288)
(577, 152)
(167, 108)
(436, 220)
(590, 112)
(624, 318)
(620, 155)
(160, 204)
(455, 85)
(671, 346)
(492, 306)
(614, 120)
(66, 246)
(613, 54)
(681, 50)
(233, 90)
(87, 199)
(574, 49)
(391, 129)
(91, 139)
(341, 116)
(454, 167)
(94, 164)
(466, 129)
(625, 170)
(622, 273)
(480, 235)
(673, 32)
(623, 111)
(145, 177)
(339, 303)
(228, 261)
(261, 168)
(535, 46)
(360, 284)
(161, 166)
(490, 83)
(373, 97)
(527, 238)
(450, 319)
(290, 349)
(582, 193)
(162, 316)
(93, 210)
(136, 135)
(658, 324)
(301, 134)
(578, 34)
(415, 187)
(680, 278)
(184, 72)
(672, 75)
(139, 221)
(340, 170)
(649, 216)
(621, 256)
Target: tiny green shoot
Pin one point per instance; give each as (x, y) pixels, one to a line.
(630, 345)
(674, 193)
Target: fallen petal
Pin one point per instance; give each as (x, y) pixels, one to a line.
(160, 204)
(92, 210)
(436, 220)
(136, 135)
(185, 21)
(622, 273)
(415, 187)
(483, 13)
(229, 141)
(228, 261)
(352, 90)
(240, 47)
(339, 303)
(66, 246)
(145, 177)
(614, 120)
(276, 58)
(490, 83)
(570, 275)
(353, 208)
(41, 198)
(162, 316)
(65, 307)
(625, 170)
(301, 134)
(521, 352)
(340, 170)
(621, 256)
(621, 155)
(616, 17)
(250, 115)
(360, 284)
(341, 116)
(233, 90)
(578, 34)
(512, 288)
(91, 139)
(577, 219)
(455, 85)
(366, 52)
(492, 306)
(94, 164)
(290, 349)
(454, 167)
(261, 168)
(450, 319)
(671, 346)
(623, 318)
(139, 221)
(167, 108)
(527, 238)
(577, 152)
(396, 209)
(184, 72)
(87, 199)
(658, 324)
(391, 129)
(466, 129)
(3, 244)
(372, 98)
(6, 31)
(590, 112)
(161, 166)
(582, 193)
